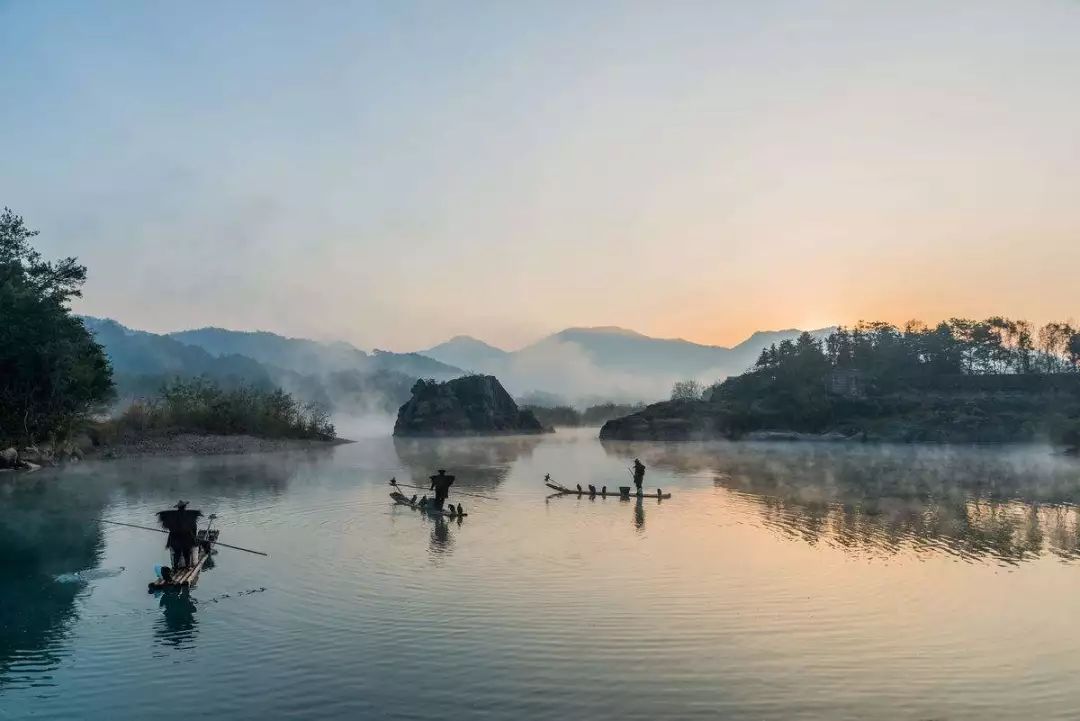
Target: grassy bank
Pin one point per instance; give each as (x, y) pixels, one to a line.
(200, 406)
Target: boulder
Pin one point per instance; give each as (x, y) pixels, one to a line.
(470, 406)
(9, 458)
(69, 450)
(32, 454)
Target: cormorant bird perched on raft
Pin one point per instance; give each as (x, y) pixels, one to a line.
(182, 526)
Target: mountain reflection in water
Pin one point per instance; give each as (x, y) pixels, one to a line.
(780, 581)
(1009, 504)
(486, 462)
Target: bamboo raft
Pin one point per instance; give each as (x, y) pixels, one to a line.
(187, 577)
(449, 512)
(564, 491)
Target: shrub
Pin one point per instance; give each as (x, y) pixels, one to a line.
(201, 406)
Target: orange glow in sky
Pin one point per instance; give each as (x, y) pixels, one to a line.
(506, 171)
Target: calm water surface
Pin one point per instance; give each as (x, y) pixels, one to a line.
(779, 582)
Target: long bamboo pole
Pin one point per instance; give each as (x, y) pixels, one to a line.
(457, 493)
(159, 530)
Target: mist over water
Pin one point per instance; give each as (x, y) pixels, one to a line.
(362, 425)
(781, 581)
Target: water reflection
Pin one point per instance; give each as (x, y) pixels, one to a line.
(45, 533)
(50, 528)
(639, 514)
(481, 464)
(177, 626)
(440, 535)
(1007, 504)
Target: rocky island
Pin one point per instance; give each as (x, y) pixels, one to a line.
(474, 405)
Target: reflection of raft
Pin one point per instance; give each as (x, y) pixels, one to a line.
(564, 491)
(450, 511)
(186, 577)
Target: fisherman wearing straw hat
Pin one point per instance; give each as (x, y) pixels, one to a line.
(440, 483)
(182, 526)
(639, 474)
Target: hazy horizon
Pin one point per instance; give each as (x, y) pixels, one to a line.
(393, 175)
(512, 349)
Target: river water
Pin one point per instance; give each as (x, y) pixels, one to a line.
(779, 582)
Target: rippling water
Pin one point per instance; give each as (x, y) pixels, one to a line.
(779, 582)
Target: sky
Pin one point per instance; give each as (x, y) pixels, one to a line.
(396, 173)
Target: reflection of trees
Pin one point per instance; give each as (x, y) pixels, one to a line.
(1006, 503)
(49, 526)
(479, 464)
(44, 532)
(224, 476)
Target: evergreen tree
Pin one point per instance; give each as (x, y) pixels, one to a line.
(52, 373)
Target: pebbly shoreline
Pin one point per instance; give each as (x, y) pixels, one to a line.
(31, 458)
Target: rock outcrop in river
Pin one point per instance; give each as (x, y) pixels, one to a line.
(469, 406)
(668, 421)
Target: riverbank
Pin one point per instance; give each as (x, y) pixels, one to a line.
(195, 444)
(994, 409)
(163, 444)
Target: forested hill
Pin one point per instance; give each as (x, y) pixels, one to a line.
(309, 356)
(138, 353)
(580, 364)
(960, 381)
(337, 376)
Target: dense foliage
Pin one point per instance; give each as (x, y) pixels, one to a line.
(689, 390)
(602, 413)
(568, 416)
(550, 417)
(891, 356)
(199, 405)
(52, 372)
(999, 379)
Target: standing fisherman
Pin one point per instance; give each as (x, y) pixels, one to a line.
(639, 474)
(440, 483)
(182, 526)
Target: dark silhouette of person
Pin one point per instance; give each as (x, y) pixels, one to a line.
(639, 474)
(440, 483)
(182, 526)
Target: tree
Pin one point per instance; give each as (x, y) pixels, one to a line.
(1073, 349)
(52, 372)
(59, 281)
(1053, 342)
(689, 390)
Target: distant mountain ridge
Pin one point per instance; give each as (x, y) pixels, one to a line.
(581, 366)
(308, 356)
(607, 361)
(140, 353)
(338, 376)
(467, 352)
